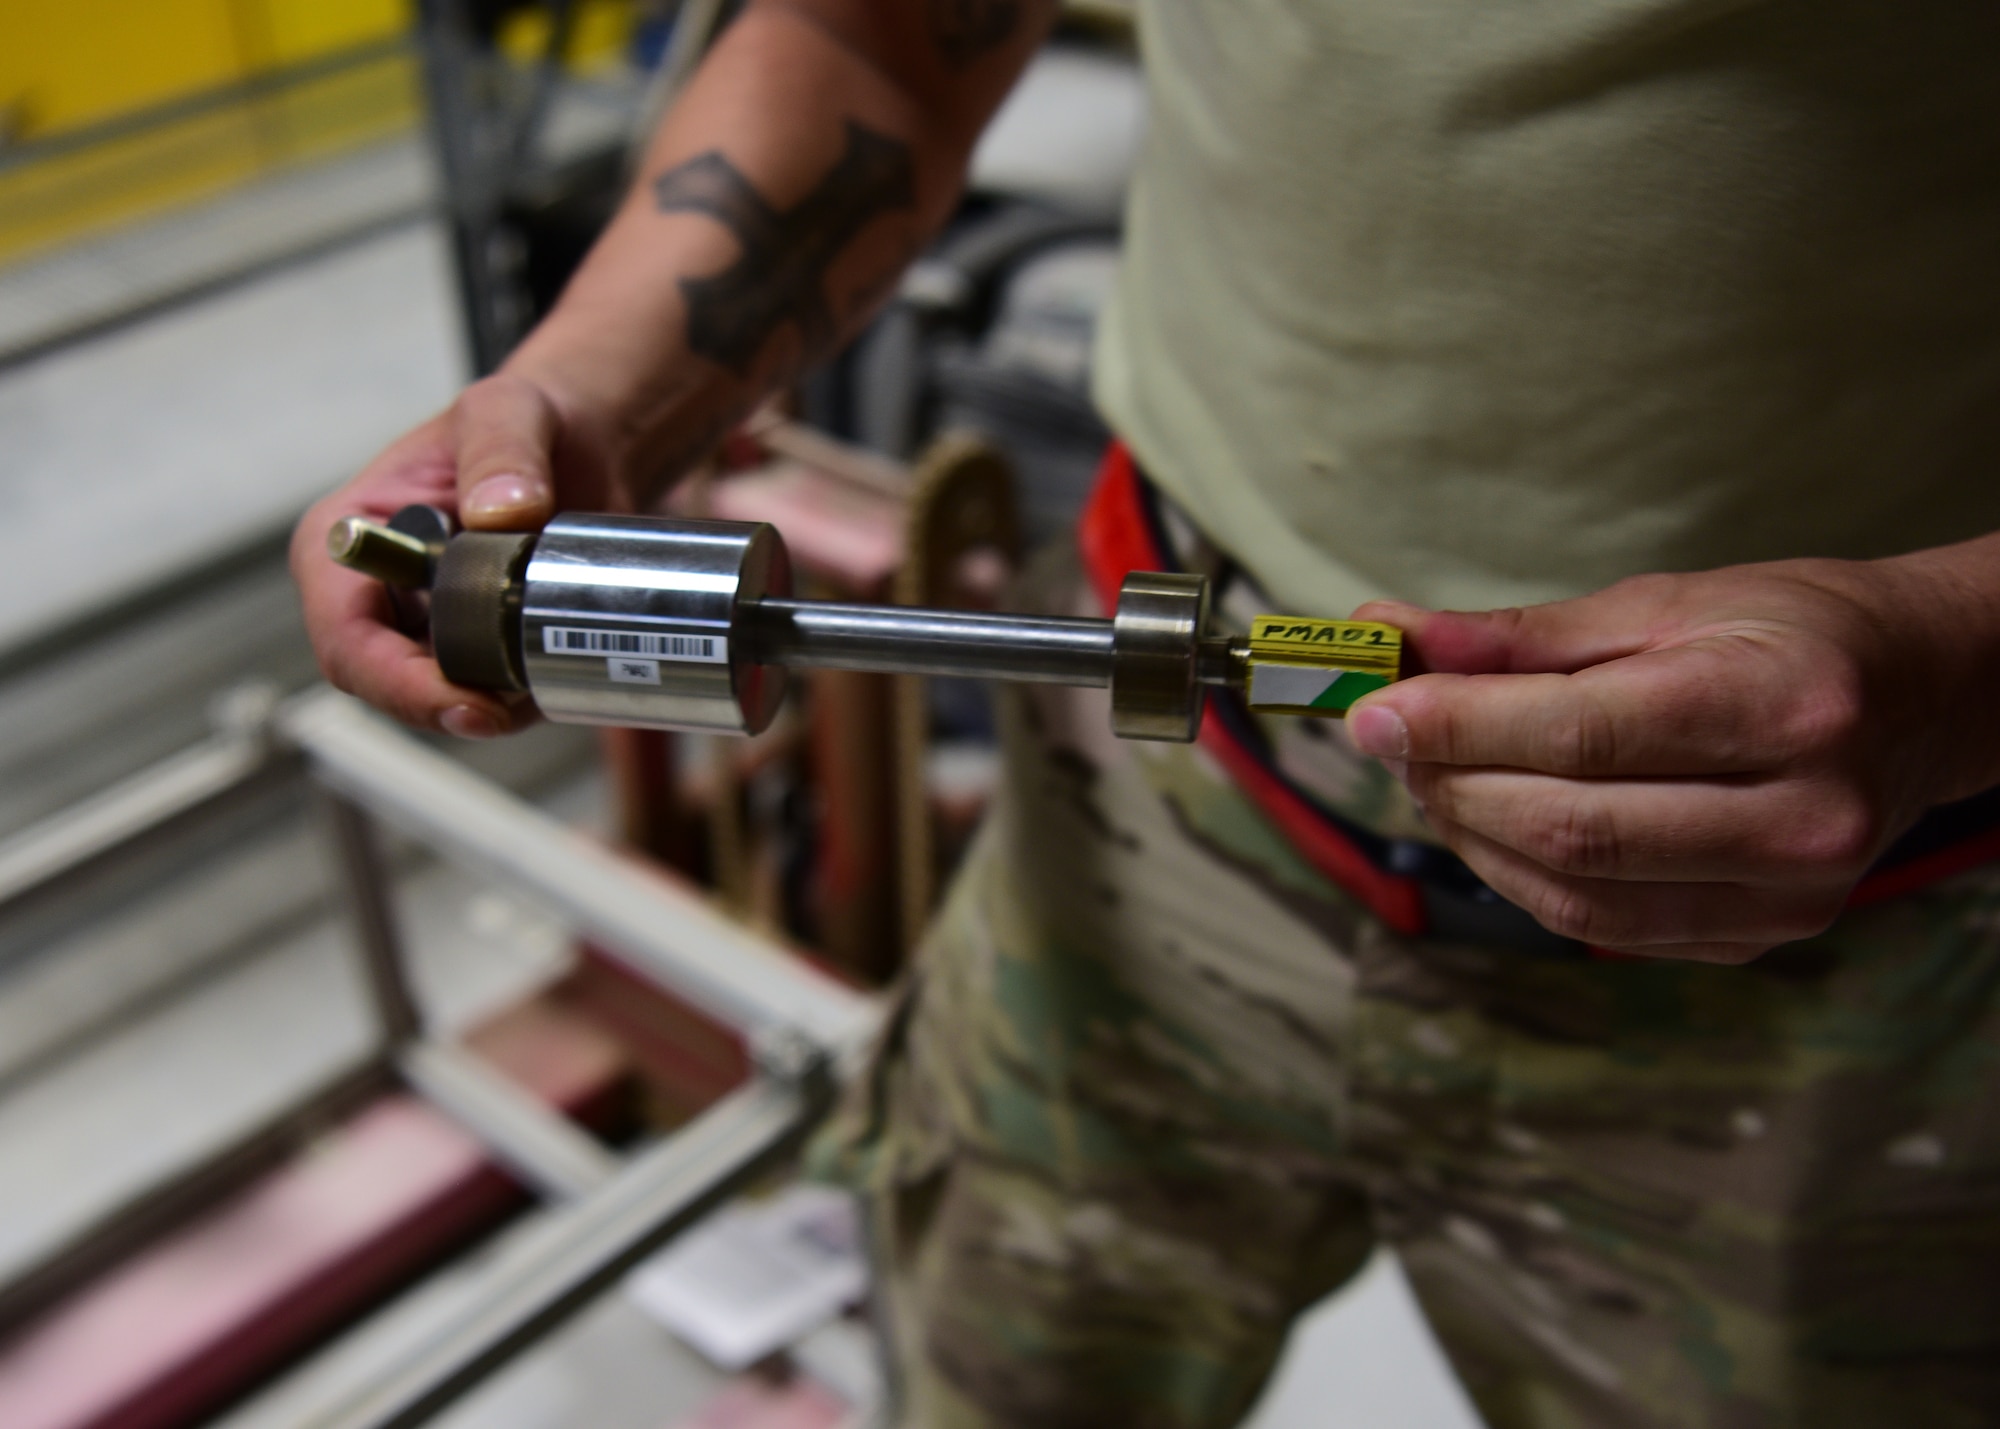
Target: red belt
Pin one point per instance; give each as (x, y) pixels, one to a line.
(1120, 533)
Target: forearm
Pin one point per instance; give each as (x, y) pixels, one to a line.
(1948, 600)
(816, 150)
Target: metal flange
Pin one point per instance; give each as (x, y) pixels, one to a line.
(1155, 644)
(476, 609)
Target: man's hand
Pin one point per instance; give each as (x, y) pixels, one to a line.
(1698, 766)
(500, 457)
(819, 146)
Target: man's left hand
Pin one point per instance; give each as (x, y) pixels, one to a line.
(1698, 766)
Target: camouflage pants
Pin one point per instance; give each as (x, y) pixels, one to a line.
(1156, 1086)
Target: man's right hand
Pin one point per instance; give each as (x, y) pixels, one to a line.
(818, 148)
(505, 459)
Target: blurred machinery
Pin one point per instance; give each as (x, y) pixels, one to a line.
(521, 204)
(681, 1053)
(427, 1141)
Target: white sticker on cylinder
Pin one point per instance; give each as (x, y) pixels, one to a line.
(626, 671)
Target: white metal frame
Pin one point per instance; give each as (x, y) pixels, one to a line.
(801, 1025)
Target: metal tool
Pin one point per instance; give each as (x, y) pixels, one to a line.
(675, 624)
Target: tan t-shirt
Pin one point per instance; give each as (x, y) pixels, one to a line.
(1476, 302)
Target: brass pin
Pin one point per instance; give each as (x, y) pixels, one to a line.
(374, 550)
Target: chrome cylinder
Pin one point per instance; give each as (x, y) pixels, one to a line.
(639, 621)
(910, 640)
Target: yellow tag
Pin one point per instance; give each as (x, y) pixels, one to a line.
(1304, 666)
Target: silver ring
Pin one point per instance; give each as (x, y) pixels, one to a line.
(1155, 634)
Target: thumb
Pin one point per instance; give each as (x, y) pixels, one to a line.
(1560, 638)
(505, 429)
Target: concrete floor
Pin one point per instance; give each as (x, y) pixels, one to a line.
(167, 1086)
(137, 455)
(78, 290)
(129, 459)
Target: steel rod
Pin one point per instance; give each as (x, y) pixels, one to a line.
(544, 1149)
(535, 1285)
(106, 823)
(912, 640)
(662, 928)
(369, 905)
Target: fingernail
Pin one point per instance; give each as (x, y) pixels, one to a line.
(502, 495)
(1380, 731)
(468, 722)
(1399, 610)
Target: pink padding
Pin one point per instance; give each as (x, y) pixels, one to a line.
(748, 1404)
(178, 1330)
(832, 527)
(161, 1338)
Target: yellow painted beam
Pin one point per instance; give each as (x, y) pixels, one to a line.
(71, 64)
(68, 66)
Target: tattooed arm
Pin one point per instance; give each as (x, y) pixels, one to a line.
(819, 146)
(815, 152)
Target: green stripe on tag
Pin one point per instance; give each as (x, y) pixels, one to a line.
(1275, 686)
(1348, 687)
(1282, 688)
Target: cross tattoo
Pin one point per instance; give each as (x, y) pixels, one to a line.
(965, 30)
(780, 276)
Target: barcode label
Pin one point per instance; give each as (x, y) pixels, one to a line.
(650, 644)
